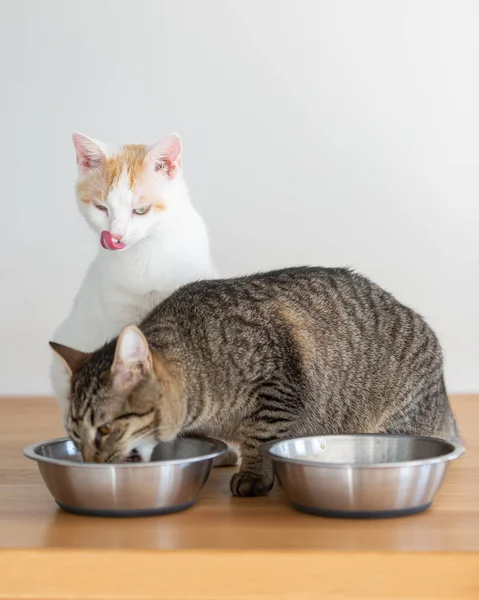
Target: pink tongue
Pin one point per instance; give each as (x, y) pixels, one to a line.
(107, 242)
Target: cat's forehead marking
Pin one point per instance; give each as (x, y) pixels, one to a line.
(128, 163)
(119, 198)
(129, 160)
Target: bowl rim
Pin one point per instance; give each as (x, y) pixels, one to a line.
(455, 452)
(30, 452)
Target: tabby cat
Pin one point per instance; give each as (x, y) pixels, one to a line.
(293, 352)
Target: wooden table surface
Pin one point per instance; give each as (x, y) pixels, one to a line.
(230, 548)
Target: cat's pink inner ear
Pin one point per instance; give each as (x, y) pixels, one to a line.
(132, 361)
(89, 153)
(165, 155)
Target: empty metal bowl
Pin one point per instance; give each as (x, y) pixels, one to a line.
(170, 482)
(361, 475)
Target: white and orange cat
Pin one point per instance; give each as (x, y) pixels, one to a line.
(152, 241)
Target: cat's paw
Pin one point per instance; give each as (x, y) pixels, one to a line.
(229, 459)
(249, 484)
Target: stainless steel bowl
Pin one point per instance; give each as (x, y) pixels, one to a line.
(361, 475)
(169, 483)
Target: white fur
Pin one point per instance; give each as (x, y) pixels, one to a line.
(164, 250)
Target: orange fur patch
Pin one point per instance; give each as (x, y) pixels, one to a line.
(129, 159)
(95, 185)
(154, 201)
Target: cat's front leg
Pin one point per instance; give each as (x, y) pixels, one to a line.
(256, 476)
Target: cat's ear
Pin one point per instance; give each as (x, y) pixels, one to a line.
(165, 155)
(132, 361)
(90, 153)
(72, 359)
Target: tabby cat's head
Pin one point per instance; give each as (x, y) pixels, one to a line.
(123, 399)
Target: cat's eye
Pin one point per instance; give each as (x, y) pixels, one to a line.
(141, 210)
(101, 207)
(105, 428)
(102, 431)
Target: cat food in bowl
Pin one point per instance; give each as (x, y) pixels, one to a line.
(170, 482)
(364, 475)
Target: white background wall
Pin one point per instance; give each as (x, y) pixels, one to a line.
(333, 132)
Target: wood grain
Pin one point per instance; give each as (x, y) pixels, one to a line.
(228, 547)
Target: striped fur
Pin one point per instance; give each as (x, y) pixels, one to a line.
(293, 352)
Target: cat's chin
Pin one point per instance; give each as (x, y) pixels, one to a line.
(133, 457)
(141, 453)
